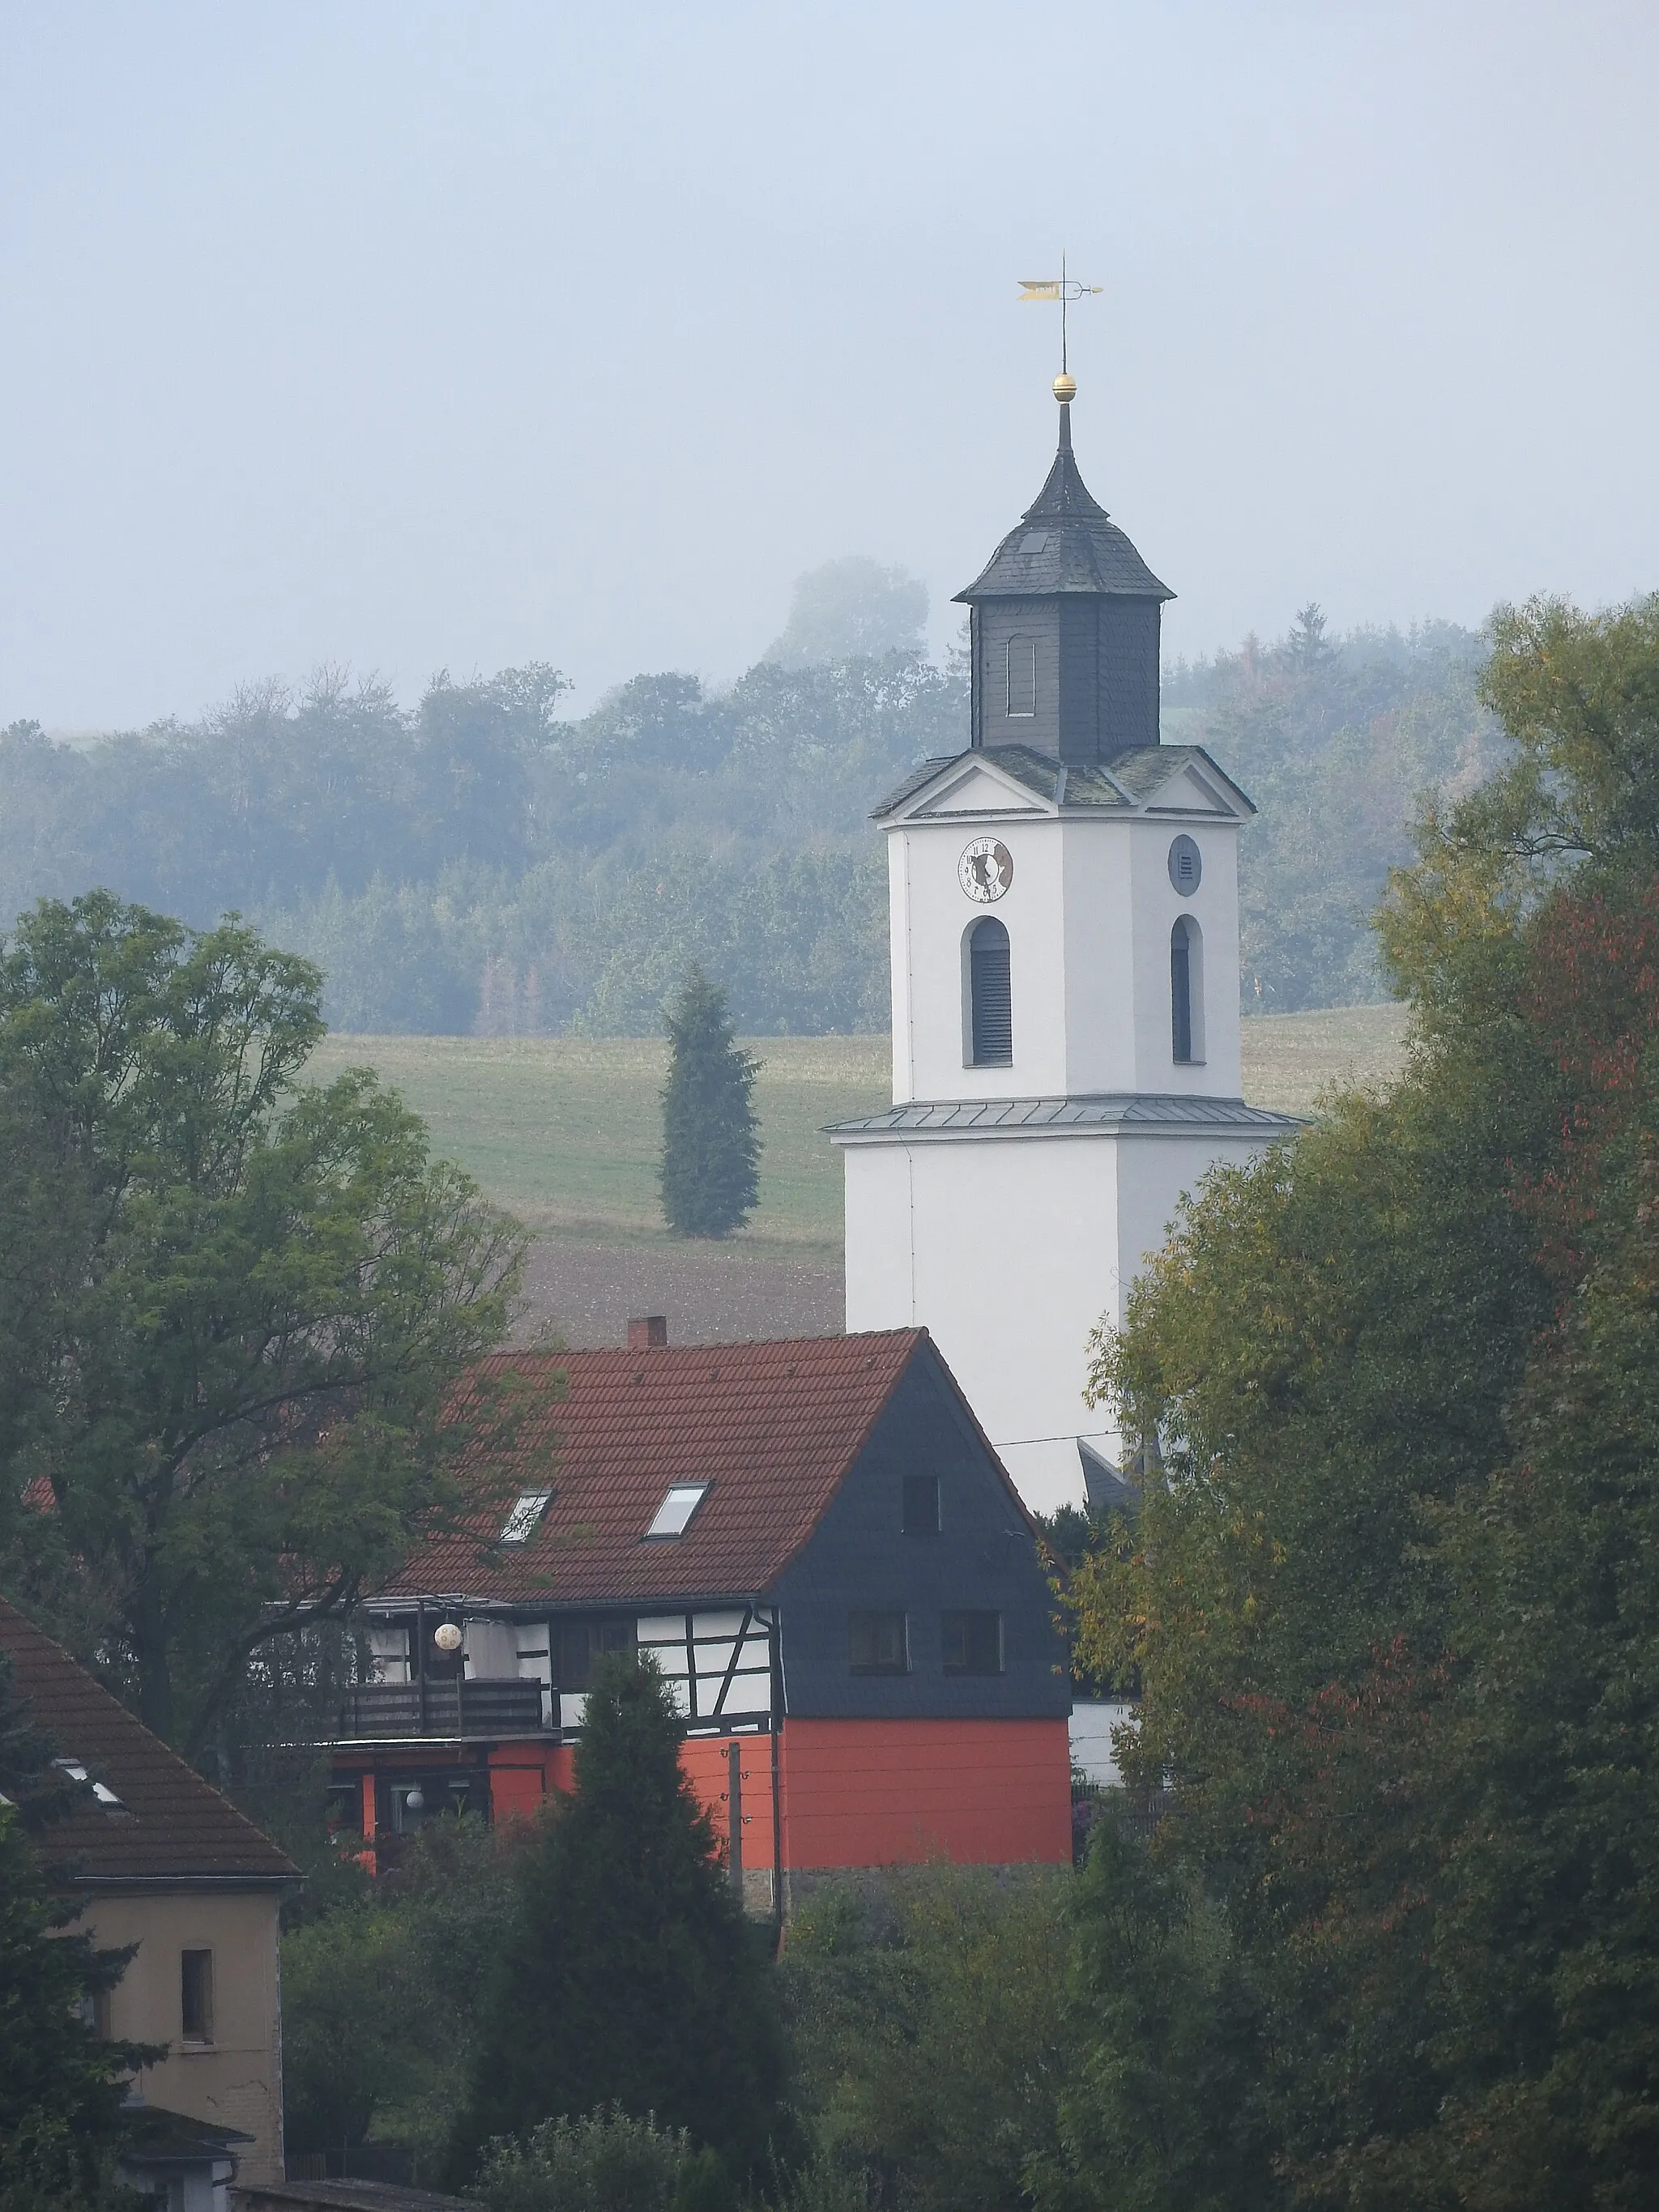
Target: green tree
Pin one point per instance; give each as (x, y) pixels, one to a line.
(384, 1996)
(275, 1292)
(633, 1980)
(929, 2025)
(850, 608)
(1393, 1601)
(710, 1137)
(62, 2087)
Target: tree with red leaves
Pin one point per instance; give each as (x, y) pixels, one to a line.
(1395, 1605)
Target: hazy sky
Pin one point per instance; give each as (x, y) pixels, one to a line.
(421, 335)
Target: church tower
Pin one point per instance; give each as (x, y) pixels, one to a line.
(1064, 935)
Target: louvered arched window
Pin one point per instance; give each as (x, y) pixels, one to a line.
(990, 994)
(1186, 993)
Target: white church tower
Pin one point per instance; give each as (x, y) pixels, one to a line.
(1064, 903)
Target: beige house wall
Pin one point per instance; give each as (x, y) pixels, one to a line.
(235, 2079)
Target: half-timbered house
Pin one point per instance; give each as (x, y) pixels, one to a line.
(821, 1552)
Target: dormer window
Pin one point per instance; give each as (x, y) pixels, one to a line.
(674, 1514)
(526, 1517)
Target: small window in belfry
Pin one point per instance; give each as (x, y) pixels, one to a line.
(1022, 676)
(525, 1518)
(1186, 866)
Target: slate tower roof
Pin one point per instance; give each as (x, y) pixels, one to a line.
(1065, 542)
(1064, 627)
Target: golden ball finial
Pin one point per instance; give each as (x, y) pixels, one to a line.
(1065, 388)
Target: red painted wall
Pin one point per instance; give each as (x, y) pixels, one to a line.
(892, 1792)
(705, 1762)
(855, 1793)
(522, 1774)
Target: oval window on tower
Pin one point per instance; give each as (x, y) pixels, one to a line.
(1022, 676)
(1186, 866)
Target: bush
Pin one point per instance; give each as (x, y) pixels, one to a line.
(607, 2161)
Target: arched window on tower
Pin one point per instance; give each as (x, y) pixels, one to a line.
(1022, 676)
(990, 1010)
(1187, 993)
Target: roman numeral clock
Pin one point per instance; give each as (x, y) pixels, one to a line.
(1064, 933)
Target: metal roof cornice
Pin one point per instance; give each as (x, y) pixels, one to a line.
(1123, 1113)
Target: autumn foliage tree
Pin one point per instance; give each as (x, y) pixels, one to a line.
(1395, 1605)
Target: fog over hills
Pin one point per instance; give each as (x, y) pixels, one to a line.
(481, 863)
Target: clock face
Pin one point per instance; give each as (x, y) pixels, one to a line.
(986, 869)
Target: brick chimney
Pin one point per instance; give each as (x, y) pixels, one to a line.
(648, 1330)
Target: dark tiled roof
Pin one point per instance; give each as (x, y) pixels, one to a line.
(1064, 542)
(344, 2197)
(1134, 1111)
(171, 1825)
(1119, 785)
(771, 1428)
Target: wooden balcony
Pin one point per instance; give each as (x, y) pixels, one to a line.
(379, 1712)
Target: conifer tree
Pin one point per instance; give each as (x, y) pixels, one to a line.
(62, 2086)
(711, 1143)
(634, 1981)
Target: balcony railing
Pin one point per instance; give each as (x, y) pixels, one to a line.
(442, 1709)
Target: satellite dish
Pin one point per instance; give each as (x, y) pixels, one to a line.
(447, 1636)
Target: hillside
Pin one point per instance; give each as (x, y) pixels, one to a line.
(483, 865)
(565, 1132)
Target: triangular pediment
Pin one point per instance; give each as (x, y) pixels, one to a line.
(975, 789)
(1198, 788)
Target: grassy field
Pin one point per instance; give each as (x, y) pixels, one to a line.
(565, 1130)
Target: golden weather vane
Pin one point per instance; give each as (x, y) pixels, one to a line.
(1064, 289)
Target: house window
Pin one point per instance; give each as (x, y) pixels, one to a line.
(195, 1995)
(1022, 676)
(877, 1644)
(677, 1508)
(581, 1642)
(971, 1642)
(1187, 993)
(525, 1518)
(921, 1505)
(990, 996)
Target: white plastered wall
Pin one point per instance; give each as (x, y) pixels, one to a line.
(1089, 916)
(1010, 1250)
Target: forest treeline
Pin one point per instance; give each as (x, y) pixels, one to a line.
(484, 862)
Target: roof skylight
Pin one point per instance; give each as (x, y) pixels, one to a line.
(676, 1511)
(525, 1517)
(76, 1772)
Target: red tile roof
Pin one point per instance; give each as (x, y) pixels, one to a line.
(172, 1825)
(771, 1428)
